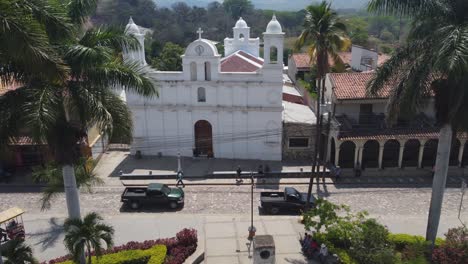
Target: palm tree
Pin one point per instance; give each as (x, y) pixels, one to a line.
(88, 234)
(16, 252)
(324, 35)
(59, 111)
(434, 62)
(51, 174)
(27, 30)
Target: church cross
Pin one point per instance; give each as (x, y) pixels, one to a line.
(199, 31)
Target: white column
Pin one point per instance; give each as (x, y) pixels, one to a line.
(337, 156)
(360, 156)
(460, 152)
(381, 148)
(356, 155)
(400, 155)
(421, 153)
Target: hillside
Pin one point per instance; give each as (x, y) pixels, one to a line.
(283, 5)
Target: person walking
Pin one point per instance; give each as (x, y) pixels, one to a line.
(180, 177)
(238, 174)
(3, 235)
(337, 173)
(323, 253)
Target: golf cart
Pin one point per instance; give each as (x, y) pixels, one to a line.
(11, 224)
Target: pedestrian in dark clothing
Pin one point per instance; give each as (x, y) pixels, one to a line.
(337, 173)
(3, 234)
(180, 176)
(238, 174)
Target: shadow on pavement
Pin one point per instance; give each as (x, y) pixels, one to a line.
(49, 236)
(149, 209)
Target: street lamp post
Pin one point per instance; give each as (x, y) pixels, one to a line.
(252, 228)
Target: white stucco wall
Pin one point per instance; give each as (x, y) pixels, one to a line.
(358, 53)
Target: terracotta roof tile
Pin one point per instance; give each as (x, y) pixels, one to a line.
(353, 86)
(241, 62)
(302, 60)
(407, 133)
(11, 87)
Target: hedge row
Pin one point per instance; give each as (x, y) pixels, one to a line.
(179, 248)
(154, 255)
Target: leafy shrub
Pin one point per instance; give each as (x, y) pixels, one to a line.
(143, 260)
(455, 248)
(177, 253)
(154, 255)
(344, 256)
(187, 237)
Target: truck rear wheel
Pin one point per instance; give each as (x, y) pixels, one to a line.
(173, 205)
(134, 205)
(274, 210)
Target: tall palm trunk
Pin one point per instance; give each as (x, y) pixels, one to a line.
(439, 182)
(316, 148)
(72, 197)
(71, 192)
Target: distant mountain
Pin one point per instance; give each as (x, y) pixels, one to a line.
(283, 5)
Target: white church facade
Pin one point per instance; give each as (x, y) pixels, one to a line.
(222, 107)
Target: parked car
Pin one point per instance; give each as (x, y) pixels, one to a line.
(289, 200)
(154, 194)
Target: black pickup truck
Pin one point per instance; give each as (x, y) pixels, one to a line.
(154, 194)
(289, 200)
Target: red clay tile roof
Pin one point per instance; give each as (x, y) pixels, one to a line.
(241, 61)
(293, 98)
(302, 60)
(4, 89)
(353, 86)
(408, 133)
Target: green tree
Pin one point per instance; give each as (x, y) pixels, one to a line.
(170, 58)
(58, 111)
(323, 214)
(324, 36)
(51, 174)
(434, 62)
(236, 8)
(28, 30)
(17, 252)
(89, 234)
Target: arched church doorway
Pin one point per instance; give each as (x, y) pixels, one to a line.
(203, 138)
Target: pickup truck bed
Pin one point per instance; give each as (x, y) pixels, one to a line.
(134, 192)
(289, 200)
(271, 197)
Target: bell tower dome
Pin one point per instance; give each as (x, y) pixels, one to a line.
(241, 40)
(138, 54)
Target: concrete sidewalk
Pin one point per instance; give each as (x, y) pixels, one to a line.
(226, 239)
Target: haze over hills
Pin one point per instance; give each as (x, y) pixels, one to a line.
(283, 5)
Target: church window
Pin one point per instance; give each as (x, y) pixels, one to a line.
(273, 54)
(201, 93)
(241, 36)
(207, 71)
(193, 71)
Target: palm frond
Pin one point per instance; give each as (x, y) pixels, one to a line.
(16, 251)
(80, 10)
(112, 37)
(24, 43)
(131, 76)
(51, 175)
(397, 7)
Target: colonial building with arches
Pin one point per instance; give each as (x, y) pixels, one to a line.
(359, 137)
(224, 107)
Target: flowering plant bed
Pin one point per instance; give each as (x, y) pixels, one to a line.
(179, 248)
